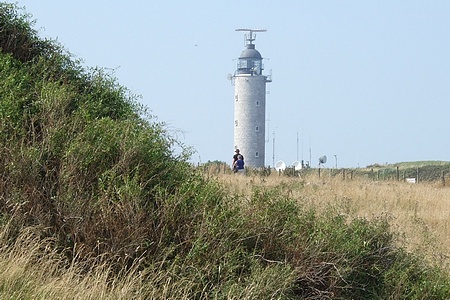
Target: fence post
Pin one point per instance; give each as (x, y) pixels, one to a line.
(398, 174)
(443, 178)
(417, 175)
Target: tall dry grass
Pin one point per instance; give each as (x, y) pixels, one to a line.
(419, 213)
(32, 268)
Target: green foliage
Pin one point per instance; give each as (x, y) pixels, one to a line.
(14, 94)
(410, 278)
(75, 144)
(16, 34)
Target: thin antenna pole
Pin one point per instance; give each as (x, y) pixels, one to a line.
(273, 150)
(310, 160)
(302, 145)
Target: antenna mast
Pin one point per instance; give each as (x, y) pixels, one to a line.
(250, 37)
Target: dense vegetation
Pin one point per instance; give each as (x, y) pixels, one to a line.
(93, 177)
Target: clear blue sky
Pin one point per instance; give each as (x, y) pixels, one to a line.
(368, 81)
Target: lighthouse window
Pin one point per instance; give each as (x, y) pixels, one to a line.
(257, 103)
(256, 154)
(236, 123)
(257, 128)
(236, 97)
(242, 64)
(257, 64)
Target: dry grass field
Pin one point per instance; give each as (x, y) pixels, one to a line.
(419, 213)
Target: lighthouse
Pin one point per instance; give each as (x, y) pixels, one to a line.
(250, 103)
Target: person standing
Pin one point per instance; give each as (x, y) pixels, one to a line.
(239, 165)
(235, 158)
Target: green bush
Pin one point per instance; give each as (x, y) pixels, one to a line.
(76, 144)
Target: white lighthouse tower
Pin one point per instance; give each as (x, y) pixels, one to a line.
(250, 103)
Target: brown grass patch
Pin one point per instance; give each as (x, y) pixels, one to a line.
(420, 213)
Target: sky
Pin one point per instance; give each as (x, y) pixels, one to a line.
(361, 82)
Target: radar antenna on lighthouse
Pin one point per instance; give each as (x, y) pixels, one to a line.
(250, 37)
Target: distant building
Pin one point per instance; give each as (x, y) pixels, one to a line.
(250, 103)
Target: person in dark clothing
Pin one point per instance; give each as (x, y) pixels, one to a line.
(239, 165)
(235, 157)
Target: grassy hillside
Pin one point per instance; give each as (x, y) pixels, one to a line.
(427, 171)
(421, 170)
(418, 164)
(95, 204)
